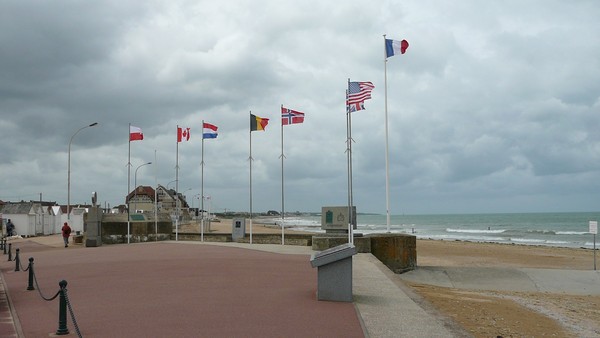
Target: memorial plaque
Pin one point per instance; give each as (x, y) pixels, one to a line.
(337, 218)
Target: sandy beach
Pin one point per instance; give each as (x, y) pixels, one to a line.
(496, 313)
(511, 314)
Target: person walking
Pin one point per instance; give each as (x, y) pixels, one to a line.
(10, 228)
(66, 232)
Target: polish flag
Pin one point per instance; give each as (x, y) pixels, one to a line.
(135, 133)
(183, 134)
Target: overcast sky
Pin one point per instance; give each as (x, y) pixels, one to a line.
(494, 107)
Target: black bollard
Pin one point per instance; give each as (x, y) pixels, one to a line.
(17, 260)
(10, 252)
(62, 310)
(4, 248)
(30, 269)
(2, 241)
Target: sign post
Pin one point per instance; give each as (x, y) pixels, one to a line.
(594, 230)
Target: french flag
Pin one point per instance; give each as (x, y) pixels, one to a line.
(210, 131)
(395, 47)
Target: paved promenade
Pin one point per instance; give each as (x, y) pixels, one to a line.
(190, 289)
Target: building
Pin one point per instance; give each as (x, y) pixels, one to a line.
(142, 200)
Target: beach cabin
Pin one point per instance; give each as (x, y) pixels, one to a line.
(76, 221)
(29, 218)
(56, 221)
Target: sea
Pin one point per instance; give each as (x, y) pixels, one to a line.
(565, 229)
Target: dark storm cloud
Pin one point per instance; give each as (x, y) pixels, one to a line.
(493, 104)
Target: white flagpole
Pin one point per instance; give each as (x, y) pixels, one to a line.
(250, 159)
(387, 161)
(202, 189)
(155, 198)
(177, 188)
(282, 195)
(128, 182)
(349, 164)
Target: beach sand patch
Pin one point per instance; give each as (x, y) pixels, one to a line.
(487, 314)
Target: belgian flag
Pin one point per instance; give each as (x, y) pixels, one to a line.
(258, 123)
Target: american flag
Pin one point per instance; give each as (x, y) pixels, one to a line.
(358, 92)
(289, 116)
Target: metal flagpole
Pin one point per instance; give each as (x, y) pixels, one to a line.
(177, 188)
(155, 198)
(351, 211)
(387, 161)
(250, 159)
(349, 159)
(202, 189)
(128, 182)
(282, 195)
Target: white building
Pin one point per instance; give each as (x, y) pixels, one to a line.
(36, 219)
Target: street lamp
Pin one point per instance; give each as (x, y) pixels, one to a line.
(135, 184)
(170, 183)
(69, 170)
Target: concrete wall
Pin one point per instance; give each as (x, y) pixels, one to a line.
(397, 251)
(114, 229)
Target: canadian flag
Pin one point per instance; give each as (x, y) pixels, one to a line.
(183, 134)
(135, 133)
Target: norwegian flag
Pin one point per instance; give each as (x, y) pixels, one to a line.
(289, 116)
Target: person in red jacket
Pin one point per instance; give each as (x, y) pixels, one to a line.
(66, 232)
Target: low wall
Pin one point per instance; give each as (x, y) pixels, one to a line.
(325, 241)
(397, 251)
(290, 239)
(114, 229)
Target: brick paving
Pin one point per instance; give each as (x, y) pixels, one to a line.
(168, 289)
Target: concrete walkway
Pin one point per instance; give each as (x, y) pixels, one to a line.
(184, 289)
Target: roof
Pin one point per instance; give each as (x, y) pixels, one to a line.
(16, 208)
(142, 190)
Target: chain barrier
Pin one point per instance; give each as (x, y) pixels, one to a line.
(72, 314)
(23, 269)
(64, 303)
(18, 266)
(40, 291)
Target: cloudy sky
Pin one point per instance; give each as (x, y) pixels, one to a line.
(495, 107)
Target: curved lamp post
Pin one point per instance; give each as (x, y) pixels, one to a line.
(170, 183)
(69, 170)
(135, 184)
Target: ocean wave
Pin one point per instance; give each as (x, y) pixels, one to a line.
(543, 232)
(476, 231)
(465, 238)
(528, 240)
(557, 242)
(572, 232)
(378, 231)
